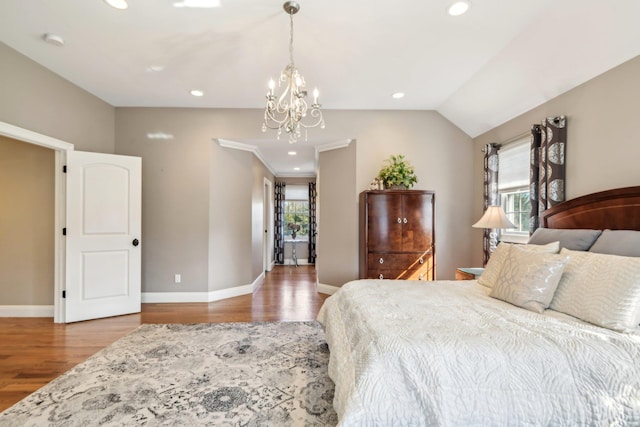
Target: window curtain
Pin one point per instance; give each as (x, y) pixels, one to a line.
(279, 193)
(491, 195)
(548, 146)
(312, 222)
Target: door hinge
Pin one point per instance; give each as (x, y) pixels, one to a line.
(64, 294)
(64, 169)
(64, 231)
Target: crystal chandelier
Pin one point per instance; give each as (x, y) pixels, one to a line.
(288, 111)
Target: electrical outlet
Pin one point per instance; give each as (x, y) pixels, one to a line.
(178, 278)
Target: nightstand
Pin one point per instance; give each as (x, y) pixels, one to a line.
(468, 273)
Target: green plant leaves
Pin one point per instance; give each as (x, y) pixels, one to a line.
(398, 172)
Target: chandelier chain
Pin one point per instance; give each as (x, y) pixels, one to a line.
(291, 38)
(290, 111)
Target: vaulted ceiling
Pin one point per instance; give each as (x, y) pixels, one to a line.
(479, 70)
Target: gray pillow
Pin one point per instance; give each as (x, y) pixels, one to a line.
(572, 239)
(618, 242)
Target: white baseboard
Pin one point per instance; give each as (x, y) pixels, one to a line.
(26, 311)
(258, 282)
(327, 289)
(176, 297)
(300, 262)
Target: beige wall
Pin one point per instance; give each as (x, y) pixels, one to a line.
(175, 194)
(231, 225)
(26, 223)
(603, 138)
(34, 98)
(202, 203)
(337, 245)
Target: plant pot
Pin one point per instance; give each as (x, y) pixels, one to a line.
(397, 187)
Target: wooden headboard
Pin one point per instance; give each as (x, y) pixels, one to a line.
(617, 209)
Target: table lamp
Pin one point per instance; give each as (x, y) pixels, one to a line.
(494, 217)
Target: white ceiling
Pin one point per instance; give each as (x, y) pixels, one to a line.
(500, 59)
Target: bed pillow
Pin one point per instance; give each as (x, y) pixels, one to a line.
(618, 242)
(492, 270)
(529, 279)
(601, 289)
(576, 240)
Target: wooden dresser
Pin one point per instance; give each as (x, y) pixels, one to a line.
(397, 234)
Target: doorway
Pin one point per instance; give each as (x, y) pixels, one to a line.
(60, 149)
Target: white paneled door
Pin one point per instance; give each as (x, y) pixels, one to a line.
(103, 243)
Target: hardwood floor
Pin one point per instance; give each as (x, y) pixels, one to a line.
(34, 351)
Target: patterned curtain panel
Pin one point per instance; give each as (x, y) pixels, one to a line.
(548, 145)
(279, 222)
(491, 196)
(312, 222)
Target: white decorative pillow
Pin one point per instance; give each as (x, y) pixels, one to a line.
(492, 270)
(601, 289)
(529, 279)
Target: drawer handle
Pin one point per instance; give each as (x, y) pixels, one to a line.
(404, 220)
(421, 277)
(399, 221)
(380, 276)
(381, 261)
(421, 261)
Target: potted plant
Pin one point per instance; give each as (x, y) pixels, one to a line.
(398, 173)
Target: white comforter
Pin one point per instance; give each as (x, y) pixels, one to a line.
(445, 354)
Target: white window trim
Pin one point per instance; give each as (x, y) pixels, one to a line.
(510, 236)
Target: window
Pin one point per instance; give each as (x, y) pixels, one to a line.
(513, 187)
(296, 212)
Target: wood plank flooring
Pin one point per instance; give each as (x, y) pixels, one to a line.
(34, 351)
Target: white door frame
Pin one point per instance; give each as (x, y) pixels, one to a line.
(61, 148)
(267, 243)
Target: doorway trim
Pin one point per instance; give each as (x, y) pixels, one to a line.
(60, 148)
(267, 244)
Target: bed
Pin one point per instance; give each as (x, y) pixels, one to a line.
(458, 353)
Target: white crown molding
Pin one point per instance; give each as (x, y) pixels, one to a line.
(296, 175)
(334, 145)
(225, 143)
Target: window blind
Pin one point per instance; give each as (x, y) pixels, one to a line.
(296, 192)
(514, 165)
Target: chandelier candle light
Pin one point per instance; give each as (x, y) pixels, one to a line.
(288, 111)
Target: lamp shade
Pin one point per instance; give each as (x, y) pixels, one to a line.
(494, 217)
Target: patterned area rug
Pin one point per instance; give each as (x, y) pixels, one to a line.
(227, 374)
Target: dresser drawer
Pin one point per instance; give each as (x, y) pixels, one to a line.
(408, 266)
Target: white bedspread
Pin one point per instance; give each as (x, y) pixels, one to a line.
(443, 353)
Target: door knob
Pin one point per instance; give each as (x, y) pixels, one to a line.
(135, 242)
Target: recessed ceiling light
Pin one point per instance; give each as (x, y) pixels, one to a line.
(53, 39)
(154, 68)
(458, 8)
(292, 153)
(398, 95)
(296, 169)
(197, 92)
(118, 4)
(159, 135)
(196, 3)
